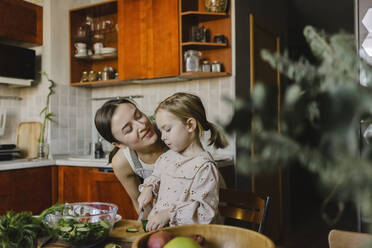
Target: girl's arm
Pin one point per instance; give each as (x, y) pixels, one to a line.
(201, 207)
(123, 171)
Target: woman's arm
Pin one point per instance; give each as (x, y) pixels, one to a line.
(126, 176)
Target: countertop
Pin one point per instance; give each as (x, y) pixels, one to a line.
(61, 160)
(82, 161)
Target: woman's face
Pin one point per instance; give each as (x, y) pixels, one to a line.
(132, 128)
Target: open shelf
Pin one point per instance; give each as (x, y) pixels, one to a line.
(193, 18)
(88, 18)
(196, 75)
(203, 45)
(104, 56)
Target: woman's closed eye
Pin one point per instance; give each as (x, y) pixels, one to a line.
(137, 115)
(127, 130)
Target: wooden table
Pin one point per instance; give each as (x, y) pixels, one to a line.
(118, 235)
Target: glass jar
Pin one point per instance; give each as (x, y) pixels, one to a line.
(206, 67)
(216, 66)
(92, 76)
(192, 60)
(215, 5)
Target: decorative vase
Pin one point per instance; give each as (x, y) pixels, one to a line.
(216, 5)
(43, 151)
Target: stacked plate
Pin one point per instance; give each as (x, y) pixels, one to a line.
(106, 50)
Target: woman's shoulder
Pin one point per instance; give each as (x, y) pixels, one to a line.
(120, 160)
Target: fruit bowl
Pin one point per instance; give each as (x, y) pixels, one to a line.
(216, 236)
(83, 224)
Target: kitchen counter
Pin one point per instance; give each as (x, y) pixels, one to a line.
(63, 160)
(82, 161)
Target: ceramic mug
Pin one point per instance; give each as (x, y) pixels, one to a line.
(80, 45)
(97, 47)
(81, 52)
(81, 49)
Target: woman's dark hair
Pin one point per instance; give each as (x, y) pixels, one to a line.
(103, 118)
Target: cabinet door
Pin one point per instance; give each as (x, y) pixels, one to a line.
(105, 187)
(21, 21)
(262, 37)
(73, 184)
(148, 38)
(26, 190)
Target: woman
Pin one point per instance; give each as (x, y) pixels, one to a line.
(137, 145)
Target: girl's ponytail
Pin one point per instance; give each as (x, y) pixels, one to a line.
(217, 138)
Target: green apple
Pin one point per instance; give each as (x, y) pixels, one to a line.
(182, 242)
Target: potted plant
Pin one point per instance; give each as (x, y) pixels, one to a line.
(46, 116)
(320, 118)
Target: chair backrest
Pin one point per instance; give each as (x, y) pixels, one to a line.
(245, 206)
(346, 239)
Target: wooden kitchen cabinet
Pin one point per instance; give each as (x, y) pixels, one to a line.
(105, 187)
(73, 184)
(27, 189)
(148, 39)
(93, 24)
(194, 14)
(21, 21)
(77, 184)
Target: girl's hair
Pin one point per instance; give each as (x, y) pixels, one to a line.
(103, 118)
(185, 106)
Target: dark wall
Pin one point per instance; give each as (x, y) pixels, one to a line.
(273, 14)
(331, 16)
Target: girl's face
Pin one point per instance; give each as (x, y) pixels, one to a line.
(132, 128)
(175, 134)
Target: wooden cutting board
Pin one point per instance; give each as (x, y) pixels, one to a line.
(27, 138)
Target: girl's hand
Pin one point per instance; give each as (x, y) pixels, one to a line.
(145, 197)
(158, 220)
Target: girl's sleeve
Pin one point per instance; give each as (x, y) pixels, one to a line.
(201, 206)
(154, 179)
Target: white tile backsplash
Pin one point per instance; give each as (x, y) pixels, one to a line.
(73, 129)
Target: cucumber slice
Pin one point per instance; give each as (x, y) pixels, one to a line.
(82, 229)
(132, 230)
(65, 228)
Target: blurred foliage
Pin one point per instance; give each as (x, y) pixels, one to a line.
(319, 120)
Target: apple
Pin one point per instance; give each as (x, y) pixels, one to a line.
(182, 242)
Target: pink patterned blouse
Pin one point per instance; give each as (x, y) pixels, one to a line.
(189, 186)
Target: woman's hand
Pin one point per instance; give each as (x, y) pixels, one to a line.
(145, 197)
(158, 220)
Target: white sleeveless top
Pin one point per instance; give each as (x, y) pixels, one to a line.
(139, 167)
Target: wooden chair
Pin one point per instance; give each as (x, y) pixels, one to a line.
(244, 206)
(346, 239)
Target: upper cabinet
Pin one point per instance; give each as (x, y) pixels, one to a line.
(21, 21)
(148, 39)
(94, 44)
(127, 41)
(206, 34)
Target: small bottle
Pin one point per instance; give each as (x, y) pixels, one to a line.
(92, 76)
(99, 153)
(84, 77)
(99, 76)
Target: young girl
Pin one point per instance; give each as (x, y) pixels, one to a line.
(185, 180)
